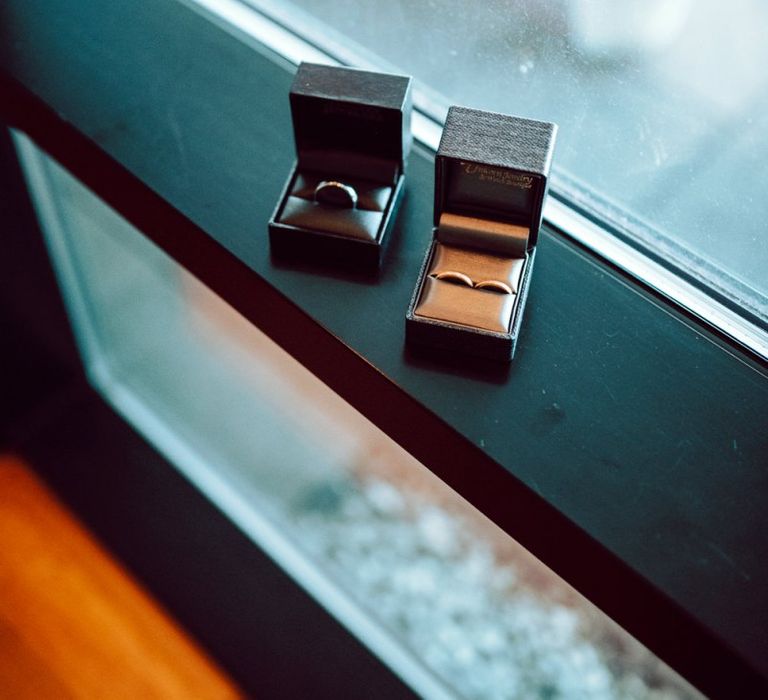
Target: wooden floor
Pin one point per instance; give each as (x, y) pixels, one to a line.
(73, 624)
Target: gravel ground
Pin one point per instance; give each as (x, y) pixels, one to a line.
(472, 616)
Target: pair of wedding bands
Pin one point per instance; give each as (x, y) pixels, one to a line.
(336, 194)
(465, 280)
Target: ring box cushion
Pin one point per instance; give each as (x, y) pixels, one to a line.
(362, 222)
(454, 303)
(478, 265)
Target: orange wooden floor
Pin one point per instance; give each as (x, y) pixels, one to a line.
(73, 624)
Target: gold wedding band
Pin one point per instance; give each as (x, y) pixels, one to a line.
(495, 285)
(466, 280)
(336, 194)
(454, 277)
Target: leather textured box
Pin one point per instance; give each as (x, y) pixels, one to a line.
(491, 177)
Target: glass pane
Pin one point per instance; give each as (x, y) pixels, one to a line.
(661, 104)
(454, 605)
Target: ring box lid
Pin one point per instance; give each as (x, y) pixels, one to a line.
(351, 122)
(492, 168)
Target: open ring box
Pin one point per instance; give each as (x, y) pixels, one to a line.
(353, 132)
(491, 173)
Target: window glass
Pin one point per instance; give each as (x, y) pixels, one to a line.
(662, 106)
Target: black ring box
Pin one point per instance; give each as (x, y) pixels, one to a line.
(352, 127)
(491, 179)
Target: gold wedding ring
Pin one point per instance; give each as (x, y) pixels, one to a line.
(336, 194)
(466, 280)
(454, 277)
(495, 285)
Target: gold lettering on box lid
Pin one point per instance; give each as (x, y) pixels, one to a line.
(500, 176)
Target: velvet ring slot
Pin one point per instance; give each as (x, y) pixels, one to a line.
(361, 220)
(456, 289)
